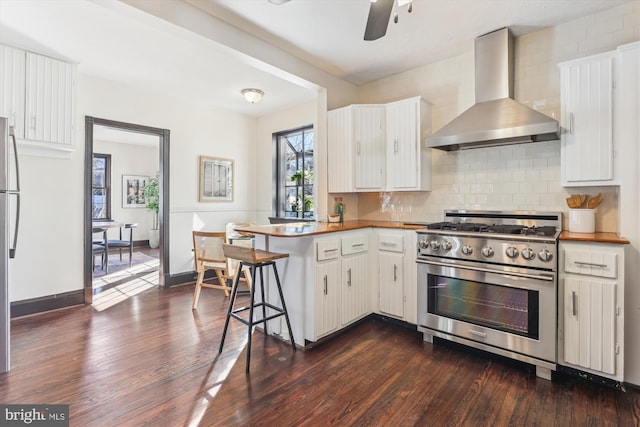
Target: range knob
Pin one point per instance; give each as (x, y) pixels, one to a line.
(545, 255)
(446, 245)
(512, 252)
(467, 250)
(435, 245)
(487, 251)
(528, 254)
(423, 243)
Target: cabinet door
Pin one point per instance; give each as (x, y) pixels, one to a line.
(355, 288)
(369, 136)
(587, 116)
(340, 150)
(590, 324)
(327, 289)
(391, 299)
(12, 83)
(49, 99)
(403, 145)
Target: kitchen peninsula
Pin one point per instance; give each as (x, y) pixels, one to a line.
(328, 282)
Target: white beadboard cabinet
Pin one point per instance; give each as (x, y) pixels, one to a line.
(408, 162)
(38, 95)
(377, 147)
(49, 100)
(341, 287)
(340, 150)
(355, 278)
(397, 275)
(369, 138)
(591, 308)
(587, 139)
(327, 287)
(12, 83)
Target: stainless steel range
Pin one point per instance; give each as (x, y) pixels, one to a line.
(488, 279)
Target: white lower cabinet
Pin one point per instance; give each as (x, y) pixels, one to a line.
(397, 288)
(341, 285)
(591, 313)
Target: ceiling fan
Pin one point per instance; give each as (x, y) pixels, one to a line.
(379, 15)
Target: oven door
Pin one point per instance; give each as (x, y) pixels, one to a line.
(510, 310)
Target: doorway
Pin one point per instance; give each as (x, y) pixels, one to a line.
(92, 126)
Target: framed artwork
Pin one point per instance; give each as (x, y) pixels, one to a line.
(216, 179)
(133, 191)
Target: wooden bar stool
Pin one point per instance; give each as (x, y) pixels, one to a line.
(254, 259)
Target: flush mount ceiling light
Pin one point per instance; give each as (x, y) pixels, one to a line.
(252, 95)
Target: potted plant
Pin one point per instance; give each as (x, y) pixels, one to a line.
(152, 199)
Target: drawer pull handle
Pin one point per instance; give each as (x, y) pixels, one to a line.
(477, 333)
(590, 264)
(388, 245)
(326, 251)
(357, 245)
(573, 303)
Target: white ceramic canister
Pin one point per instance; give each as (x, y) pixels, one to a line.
(582, 220)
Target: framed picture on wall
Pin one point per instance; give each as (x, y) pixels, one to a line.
(133, 191)
(216, 179)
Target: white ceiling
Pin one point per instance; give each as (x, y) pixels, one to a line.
(113, 40)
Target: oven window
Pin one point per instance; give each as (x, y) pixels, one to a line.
(498, 307)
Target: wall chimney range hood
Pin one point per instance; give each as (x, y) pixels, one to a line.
(495, 119)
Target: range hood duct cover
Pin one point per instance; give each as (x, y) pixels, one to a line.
(495, 119)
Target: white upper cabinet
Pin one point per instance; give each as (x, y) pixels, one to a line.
(377, 147)
(340, 150)
(587, 91)
(38, 95)
(408, 163)
(369, 137)
(12, 83)
(49, 100)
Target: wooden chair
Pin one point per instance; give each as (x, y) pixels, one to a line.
(122, 243)
(208, 255)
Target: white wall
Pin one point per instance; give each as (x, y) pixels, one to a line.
(293, 118)
(127, 159)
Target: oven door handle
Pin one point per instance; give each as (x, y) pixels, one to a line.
(488, 270)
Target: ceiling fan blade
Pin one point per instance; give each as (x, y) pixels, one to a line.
(378, 21)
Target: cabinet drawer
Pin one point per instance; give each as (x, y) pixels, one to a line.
(591, 262)
(391, 243)
(327, 249)
(355, 244)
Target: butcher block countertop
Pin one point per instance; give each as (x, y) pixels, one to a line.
(300, 229)
(594, 237)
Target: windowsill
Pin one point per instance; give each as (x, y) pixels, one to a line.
(283, 220)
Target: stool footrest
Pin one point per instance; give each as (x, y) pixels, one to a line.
(266, 319)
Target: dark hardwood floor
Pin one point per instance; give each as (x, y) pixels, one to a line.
(151, 360)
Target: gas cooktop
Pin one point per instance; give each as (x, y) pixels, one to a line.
(532, 230)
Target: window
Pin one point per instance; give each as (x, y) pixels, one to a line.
(295, 174)
(101, 187)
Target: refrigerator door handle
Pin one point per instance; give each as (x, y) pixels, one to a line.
(12, 249)
(15, 156)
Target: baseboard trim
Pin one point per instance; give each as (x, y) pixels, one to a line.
(186, 278)
(47, 303)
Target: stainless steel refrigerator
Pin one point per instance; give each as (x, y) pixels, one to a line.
(9, 219)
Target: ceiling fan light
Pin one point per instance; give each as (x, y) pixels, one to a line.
(252, 95)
